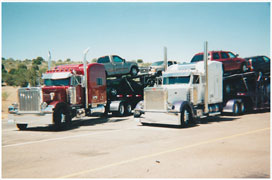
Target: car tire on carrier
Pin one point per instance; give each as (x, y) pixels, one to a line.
(244, 68)
(134, 71)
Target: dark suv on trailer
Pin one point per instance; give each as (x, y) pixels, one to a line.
(230, 61)
(259, 63)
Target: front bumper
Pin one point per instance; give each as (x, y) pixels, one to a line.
(159, 117)
(31, 118)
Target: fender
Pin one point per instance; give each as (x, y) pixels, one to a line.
(139, 106)
(54, 104)
(179, 105)
(229, 105)
(114, 105)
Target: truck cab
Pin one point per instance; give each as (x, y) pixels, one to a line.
(180, 98)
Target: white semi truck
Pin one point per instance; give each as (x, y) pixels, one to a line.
(183, 95)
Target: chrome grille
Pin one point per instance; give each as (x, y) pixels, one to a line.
(155, 99)
(29, 99)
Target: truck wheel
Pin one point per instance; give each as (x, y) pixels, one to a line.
(128, 109)
(159, 73)
(134, 71)
(60, 116)
(235, 109)
(121, 110)
(244, 68)
(186, 117)
(21, 126)
(242, 108)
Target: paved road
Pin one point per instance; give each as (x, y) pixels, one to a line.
(219, 147)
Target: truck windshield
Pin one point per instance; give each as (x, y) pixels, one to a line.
(57, 82)
(176, 80)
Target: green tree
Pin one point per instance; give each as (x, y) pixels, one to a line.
(22, 66)
(94, 60)
(3, 69)
(32, 76)
(12, 71)
(38, 61)
(10, 79)
(140, 61)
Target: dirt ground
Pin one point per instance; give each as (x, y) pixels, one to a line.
(12, 97)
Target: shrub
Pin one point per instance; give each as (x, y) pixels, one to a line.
(5, 96)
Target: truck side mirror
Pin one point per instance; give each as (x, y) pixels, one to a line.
(237, 55)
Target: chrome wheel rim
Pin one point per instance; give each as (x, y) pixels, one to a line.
(122, 109)
(242, 107)
(134, 71)
(235, 108)
(129, 108)
(62, 117)
(186, 116)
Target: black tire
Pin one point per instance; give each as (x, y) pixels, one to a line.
(134, 71)
(243, 68)
(121, 110)
(242, 108)
(159, 73)
(21, 126)
(186, 117)
(235, 109)
(61, 115)
(128, 109)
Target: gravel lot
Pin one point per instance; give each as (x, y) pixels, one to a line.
(219, 147)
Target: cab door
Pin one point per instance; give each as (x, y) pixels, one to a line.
(197, 90)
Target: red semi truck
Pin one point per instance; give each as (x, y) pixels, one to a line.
(75, 91)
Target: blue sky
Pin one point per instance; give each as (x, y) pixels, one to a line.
(133, 30)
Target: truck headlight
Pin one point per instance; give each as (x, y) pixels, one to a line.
(43, 105)
(170, 106)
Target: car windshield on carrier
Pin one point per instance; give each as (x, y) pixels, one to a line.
(158, 63)
(176, 80)
(197, 58)
(57, 82)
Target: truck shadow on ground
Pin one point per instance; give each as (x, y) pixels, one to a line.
(207, 120)
(168, 126)
(79, 123)
(217, 119)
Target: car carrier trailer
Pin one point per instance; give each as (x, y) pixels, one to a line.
(198, 90)
(246, 92)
